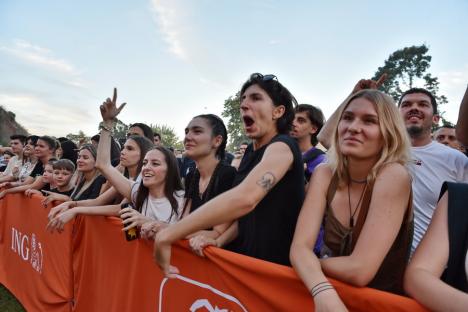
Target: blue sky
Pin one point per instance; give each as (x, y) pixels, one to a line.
(173, 59)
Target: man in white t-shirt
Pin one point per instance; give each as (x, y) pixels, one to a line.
(432, 163)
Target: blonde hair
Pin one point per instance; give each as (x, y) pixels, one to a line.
(396, 144)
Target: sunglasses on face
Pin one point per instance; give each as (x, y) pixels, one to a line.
(258, 76)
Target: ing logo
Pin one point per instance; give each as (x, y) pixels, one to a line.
(28, 248)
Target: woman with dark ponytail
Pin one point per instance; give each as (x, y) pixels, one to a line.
(205, 143)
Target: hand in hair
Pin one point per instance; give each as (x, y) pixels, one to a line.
(369, 83)
(109, 109)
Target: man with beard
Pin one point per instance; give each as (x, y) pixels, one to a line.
(432, 163)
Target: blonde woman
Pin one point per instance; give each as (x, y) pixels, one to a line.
(364, 194)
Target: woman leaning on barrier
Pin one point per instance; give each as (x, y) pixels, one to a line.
(364, 193)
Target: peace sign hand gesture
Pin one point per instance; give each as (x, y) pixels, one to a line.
(109, 109)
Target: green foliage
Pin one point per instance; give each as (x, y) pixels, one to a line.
(407, 68)
(168, 136)
(77, 137)
(235, 126)
(120, 129)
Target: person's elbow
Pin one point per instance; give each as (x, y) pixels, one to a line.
(361, 274)
(245, 200)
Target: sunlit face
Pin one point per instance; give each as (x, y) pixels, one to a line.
(62, 177)
(447, 137)
(85, 161)
(302, 126)
(199, 140)
(154, 169)
(258, 112)
(417, 113)
(130, 154)
(359, 134)
(42, 149)
(16, 146)
(47, 176)
(135, 131)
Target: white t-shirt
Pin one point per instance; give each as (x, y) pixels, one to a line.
(13, 167)
(432, 165)
(160, 208)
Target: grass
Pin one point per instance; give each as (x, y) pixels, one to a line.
(8, 302)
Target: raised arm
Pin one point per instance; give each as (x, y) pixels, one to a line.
(325, 135)
(462, 123)
(109, 112)
(229, 205)
(387, 208)
(422, 277)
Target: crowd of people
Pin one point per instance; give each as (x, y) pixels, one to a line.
(372, 197)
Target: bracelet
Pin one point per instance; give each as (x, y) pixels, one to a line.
(103, 126)
(319, 287)
(322, 289)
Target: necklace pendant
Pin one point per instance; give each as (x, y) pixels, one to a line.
(351, 222)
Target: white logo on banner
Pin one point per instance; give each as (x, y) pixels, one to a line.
(29, 249)
(201, 303)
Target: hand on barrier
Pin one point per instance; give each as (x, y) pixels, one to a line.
(6, 185)
(132, 218)
(60, 220)
(369, 83)
(109, 109)
(51, 197)
(199, 242)
(162, 254)
(29, 192)
(60, 208)
(150, 228)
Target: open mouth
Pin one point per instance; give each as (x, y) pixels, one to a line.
(248, 121)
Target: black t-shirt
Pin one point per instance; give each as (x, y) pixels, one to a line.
(267, 231)
(67, 193)
(38, 170)
(220, 182)
(92, 191)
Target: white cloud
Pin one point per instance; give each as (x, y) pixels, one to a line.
(273, 42)
(168, 16)
(41, 116)
(45, 59)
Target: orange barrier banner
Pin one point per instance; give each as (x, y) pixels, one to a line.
(111, 274)
(34, 264)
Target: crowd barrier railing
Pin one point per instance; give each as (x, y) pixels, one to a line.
(91, 267)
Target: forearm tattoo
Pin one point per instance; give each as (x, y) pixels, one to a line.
(267, 181)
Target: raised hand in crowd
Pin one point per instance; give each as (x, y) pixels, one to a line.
(109, 109)
(52, 196)
(58, 222)
(326, 133)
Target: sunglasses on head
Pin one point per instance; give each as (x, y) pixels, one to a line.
(258, 76)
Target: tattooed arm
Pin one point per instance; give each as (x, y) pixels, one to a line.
(231, 204)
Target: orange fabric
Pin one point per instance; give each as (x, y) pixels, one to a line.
(111, 274)
(34, 264)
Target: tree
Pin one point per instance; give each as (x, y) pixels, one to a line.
(168, 136)
(235, 126)
(120, 129)
(407, 68)
(77, 137)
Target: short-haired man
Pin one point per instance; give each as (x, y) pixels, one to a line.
(17, 142)
(308, 121)
(157, 139)
(432, 163)
(446, 135)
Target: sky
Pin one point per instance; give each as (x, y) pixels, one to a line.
(174, 59)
